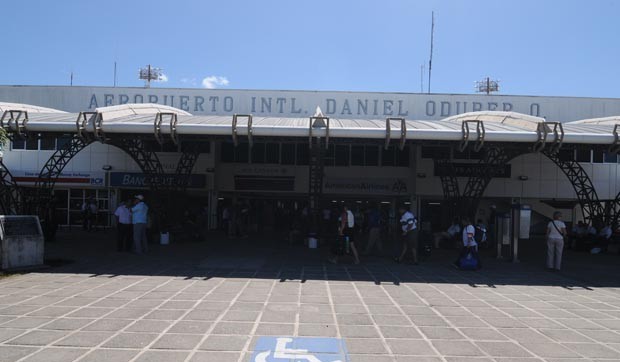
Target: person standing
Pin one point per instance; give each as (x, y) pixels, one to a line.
(470, 245)
(124, 227)
(409, 235)
(556, 230)
(346, 231)
(374, 230)
(139, 215)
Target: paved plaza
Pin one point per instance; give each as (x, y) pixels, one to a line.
(197, 302)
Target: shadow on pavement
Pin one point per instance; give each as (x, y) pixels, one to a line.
(270, 258)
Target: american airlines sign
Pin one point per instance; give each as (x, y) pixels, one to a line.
(303, 103)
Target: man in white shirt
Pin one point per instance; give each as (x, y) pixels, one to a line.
(409, 229)
(124, 235)
(556, 230)
(451, 234)
(470, 246)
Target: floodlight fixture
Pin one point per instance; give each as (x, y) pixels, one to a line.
(149, 74)
(487, 86)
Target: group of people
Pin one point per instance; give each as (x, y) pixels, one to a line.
(585, 237)
(132, 221)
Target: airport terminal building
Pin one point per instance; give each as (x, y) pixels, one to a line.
(277, 148)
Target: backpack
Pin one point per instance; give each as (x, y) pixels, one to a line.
(479, 234)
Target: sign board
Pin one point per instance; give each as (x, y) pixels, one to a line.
(465, 169)
(21, 241)
(366, 186)
(66, 178)
(286, 349)
(301, 104)
(140, 180)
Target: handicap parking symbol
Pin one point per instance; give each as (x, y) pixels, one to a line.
(304, 349)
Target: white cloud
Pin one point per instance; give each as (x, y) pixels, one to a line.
(163, 78)
(214, 81)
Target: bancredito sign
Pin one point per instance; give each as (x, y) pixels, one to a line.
(362, 105)
(388, 186)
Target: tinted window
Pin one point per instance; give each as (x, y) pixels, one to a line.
(48, 143)
(303, 154)
(357, 155)
(597, 156)
(227, 152)
(258, 153)
(241, 153)
(272, 153)
(583, 155)
(371, 155)
(19, 144)
(342, 155)
(288, 154)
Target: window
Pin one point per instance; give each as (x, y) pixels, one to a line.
(387, 156)
(272, 153)
(566, 155)
(62, 141)
(242, 153)
(610, 158)
(227, 152)
(584, 156)
(371, 154)
(48, 144)
(597, 156)
(258, 153)
(342, 155)
(329, 158)
(303, 154)
(288, 154)
(435, 152)
(402, 157)
(18, 144)
(357, 155)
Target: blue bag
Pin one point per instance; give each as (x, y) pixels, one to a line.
(469, 262)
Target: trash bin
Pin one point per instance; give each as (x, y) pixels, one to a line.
(164, 238)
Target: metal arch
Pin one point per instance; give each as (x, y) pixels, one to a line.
(447, 175)
(147, 160)
(10, 193)
(186, 165)
(493, 159)
(613, 214)
(54, 166)
(586, 193)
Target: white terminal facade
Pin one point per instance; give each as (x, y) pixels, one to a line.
(275, 169)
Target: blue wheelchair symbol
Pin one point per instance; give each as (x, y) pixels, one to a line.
(289, 349)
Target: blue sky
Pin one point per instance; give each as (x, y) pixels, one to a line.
(534, 47)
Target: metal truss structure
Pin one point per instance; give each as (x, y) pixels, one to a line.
(9, 192)
(147, 160)
(53, 168)
(579, 179)
(186, 163)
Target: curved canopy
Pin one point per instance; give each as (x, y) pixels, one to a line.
(498, 126)
(5, 106)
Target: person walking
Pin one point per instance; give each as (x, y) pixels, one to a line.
(556, 231)
(409, 235)
(470, 245)
(346, 231)
(139, 215)
(124, 228)
(374, 230)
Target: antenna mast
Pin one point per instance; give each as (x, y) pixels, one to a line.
(430, 60)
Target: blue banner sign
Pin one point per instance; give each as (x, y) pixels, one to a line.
(140, 180)
(286, 349)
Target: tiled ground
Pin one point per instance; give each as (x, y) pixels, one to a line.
(186, 305)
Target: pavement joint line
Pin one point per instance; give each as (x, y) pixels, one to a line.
(331, 301)
(219, 318)
(557, 320)
(114, 310)
(246, 346)
(466, 308)
(145, 348)
(374, 323)
(398, 306)
(57, 317)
